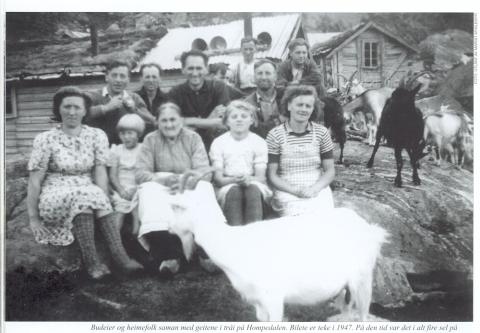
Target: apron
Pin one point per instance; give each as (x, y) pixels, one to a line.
(300, 165)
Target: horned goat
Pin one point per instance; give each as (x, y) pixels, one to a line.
(401, 124)
(370, 101)
(449, 132)
(300, 259)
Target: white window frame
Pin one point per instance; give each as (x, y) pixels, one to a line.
(364, 45)
(13, 101)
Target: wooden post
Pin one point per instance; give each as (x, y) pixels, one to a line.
(247, 25)
(93, 33)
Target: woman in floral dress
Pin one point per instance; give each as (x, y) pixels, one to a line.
(68, 185)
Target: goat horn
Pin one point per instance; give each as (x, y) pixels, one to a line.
(352, 76)
(401, 83)
(414, 77)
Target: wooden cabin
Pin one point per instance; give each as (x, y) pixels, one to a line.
(378, 57)
(36, 69)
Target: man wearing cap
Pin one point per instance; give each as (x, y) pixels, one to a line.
(150, 92)
(266, 98)
(113, 101)
(201, 100)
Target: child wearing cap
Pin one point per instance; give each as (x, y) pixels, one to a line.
(123, 158)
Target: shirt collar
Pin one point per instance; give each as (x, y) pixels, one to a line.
(289, 129)
(296, 69)
(203, 89)
(105, 92)
(261, 99)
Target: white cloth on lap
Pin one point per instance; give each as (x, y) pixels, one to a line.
(157, 207)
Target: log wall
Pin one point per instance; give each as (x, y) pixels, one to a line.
(34, 101)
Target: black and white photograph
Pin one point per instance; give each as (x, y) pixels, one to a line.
(239, 167)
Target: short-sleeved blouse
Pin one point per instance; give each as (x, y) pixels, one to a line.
(238, 157)
(68, 189)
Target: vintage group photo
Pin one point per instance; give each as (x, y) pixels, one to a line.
(238, 167)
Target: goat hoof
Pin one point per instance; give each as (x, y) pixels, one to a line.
(417, 182)
(369, 165)
(398, 182)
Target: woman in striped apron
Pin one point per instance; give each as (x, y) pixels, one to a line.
(301, 165)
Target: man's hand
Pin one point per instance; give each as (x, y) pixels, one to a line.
(218, 112)
(116, 102)
(128, 102)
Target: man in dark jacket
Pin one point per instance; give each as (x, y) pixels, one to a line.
(150, 92)
(201, 100)
(113, 101)
(299, 69)
(266, 98)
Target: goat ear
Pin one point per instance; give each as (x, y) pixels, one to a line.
(416, 89)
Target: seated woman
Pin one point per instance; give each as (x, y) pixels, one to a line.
(240, 159)
(166, 154)
(62, 196)
(300, 156)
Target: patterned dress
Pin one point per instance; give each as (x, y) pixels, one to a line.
(68, 189)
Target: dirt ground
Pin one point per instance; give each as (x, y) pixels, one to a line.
(194, 295)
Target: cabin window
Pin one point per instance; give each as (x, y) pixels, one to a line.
(370, 54)
(10, 103)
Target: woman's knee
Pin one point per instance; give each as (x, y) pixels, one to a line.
(252, 191)
(234, 193)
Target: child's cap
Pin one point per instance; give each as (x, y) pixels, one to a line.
(133, 122)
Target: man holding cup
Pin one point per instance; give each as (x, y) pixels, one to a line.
(113, 101)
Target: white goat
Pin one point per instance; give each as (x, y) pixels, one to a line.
(300, 260)
(370, 101)
(450, 132)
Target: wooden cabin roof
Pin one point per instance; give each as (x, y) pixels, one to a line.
(338, 41)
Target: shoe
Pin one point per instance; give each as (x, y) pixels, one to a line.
(208, 265)
(172, 266)
(98, 272)
(168, 268)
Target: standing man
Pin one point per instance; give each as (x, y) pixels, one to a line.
(299, 69)
(150, 92)
(113, 101)
(202, 101)
(243, 73)
(266, 98)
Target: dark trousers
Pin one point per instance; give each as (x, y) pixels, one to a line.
(164, 246)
